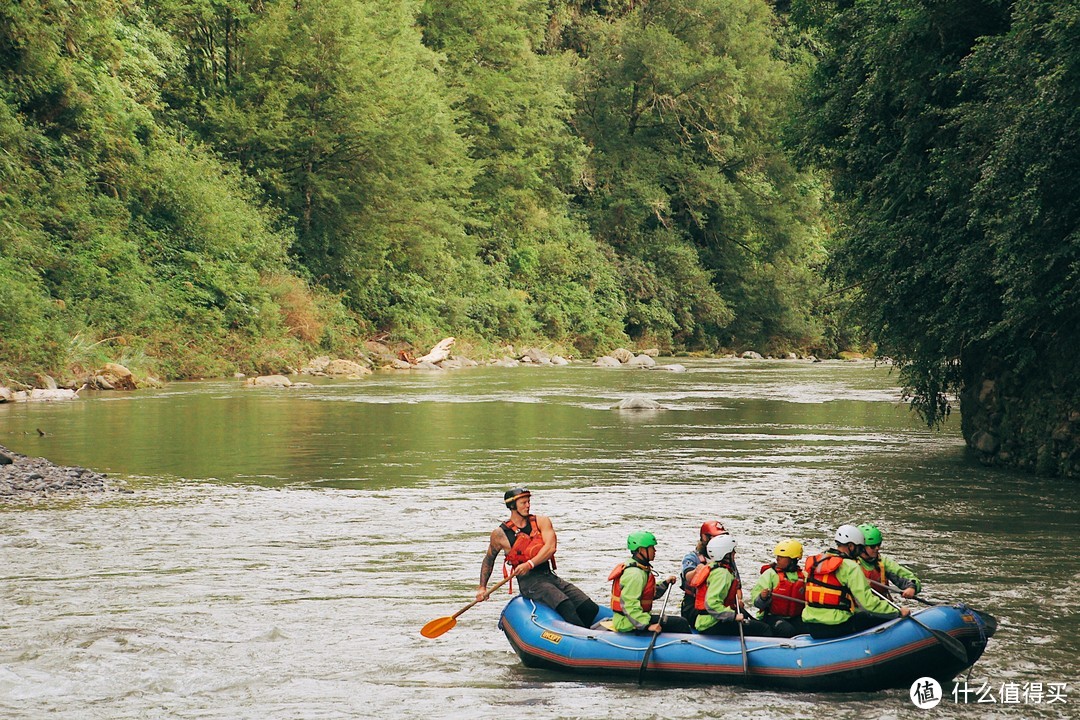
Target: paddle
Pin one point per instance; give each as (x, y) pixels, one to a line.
(437, 627)
(652, 643)
(898, 591)
(740, 610)
(954, 646)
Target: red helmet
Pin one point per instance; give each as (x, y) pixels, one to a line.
(712, 528)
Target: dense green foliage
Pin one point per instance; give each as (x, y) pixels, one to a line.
(682, 104)
(197, 185)
(952, 130)
(118, 239)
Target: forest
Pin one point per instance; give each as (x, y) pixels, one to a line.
(199, 187)
(221, 184)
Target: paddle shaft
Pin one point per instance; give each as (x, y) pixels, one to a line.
(897, 590)
(495, 587)
(950, 643)
(741, 610)
(656, 634)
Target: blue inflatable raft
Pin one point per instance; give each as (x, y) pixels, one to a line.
(892, 655)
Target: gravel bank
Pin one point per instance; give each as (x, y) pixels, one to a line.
(25, 478)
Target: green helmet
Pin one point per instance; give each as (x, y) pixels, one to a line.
(640, 539)
(871, 534)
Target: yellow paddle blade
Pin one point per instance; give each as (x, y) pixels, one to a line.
(437, 627)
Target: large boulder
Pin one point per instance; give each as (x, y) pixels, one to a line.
(637, 403)
(535, 355)
(622, 355)
(606, 361)
(345, 367)
(674, 367)
(316, 366)
(116, 377)
(45, 395)
(270, 381)
(642, 361)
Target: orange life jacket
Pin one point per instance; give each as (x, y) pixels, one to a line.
(647, 595)
(797, 589)
(525, 542)
(876, 575)
(823, 588)
(685, 582)
(700, 582)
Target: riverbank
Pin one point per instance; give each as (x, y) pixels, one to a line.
(357, 359)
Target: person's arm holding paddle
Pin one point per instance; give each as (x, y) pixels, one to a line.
(498, 544)
(859, 586)
(901, 577)
(761, 594)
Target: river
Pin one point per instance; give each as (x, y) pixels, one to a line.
(282, 548)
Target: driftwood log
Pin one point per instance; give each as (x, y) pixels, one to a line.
(438, 353)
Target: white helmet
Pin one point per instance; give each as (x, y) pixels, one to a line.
(720, 546)
(849, 534)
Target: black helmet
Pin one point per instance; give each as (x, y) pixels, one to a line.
(511, 496)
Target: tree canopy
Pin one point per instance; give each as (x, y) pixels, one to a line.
(950, 131)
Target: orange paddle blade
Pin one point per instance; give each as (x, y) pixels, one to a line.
(437, 627)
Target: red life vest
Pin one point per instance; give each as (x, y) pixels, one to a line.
(783, 606)
(823, 588)
(701, 585)
(525, 542)
(647, 595)
(876, 576)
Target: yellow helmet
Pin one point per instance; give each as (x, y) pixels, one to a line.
(789, 549)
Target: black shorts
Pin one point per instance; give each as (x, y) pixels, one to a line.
(550, 589)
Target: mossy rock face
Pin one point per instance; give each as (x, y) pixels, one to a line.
(1028, 421)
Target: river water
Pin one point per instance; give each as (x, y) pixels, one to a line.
(282, 548)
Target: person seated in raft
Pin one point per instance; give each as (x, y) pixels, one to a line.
(691, 562)
(718, 596)
(528, 543)
(836, 587)
(634, 588)
(881, 570)
(779, 592)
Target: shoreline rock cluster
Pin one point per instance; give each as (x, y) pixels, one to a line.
(35, 478)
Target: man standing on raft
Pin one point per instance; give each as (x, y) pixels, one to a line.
(528, 543)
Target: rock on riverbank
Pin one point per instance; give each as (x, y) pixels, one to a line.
(26, 478)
